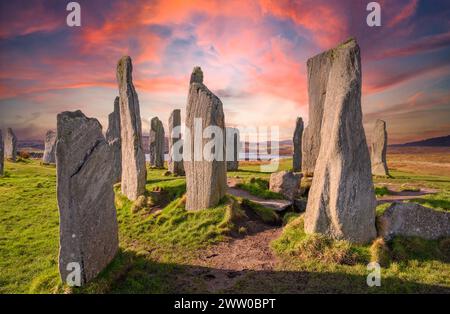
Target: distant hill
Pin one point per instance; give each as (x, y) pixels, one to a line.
(433, 142)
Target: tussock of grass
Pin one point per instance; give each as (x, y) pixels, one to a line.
(288, 217)
(259, 187)
(379, 252)
(382, 190)
(267, 215)
(294, 242)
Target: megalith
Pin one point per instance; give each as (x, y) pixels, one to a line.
(134, 173)
(49, 148)
(233, 144)
(297, 142)
(156, 143)
(10, 145)
(378, 149)
(175, 161)
(88, 223)
(204, 163)
(341, 201)
(318, 69)
(113, 138)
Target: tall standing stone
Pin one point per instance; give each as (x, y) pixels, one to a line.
(205, 179)
(156, 143)
(10, 145)
(175, 161)
(341, 201)
(233, 148)
(88, 223)
(318, 72)
(49, 148)
(2, 155)
(297, 139)
(134, 173)
(379, 147)
(113, 138)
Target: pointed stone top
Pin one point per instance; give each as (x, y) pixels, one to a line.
(197, 75)
(299, 120)
(124, 70)
(117, 104)
(379, 121)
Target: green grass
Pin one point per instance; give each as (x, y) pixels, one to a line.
(381, 191)
(267, 215)
(259, 187)
(440, 201)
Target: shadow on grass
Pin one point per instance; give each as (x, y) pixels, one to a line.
(135, 273)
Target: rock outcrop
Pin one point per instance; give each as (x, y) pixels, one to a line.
(175, 162)
(113, 138)
(233, 144)
(50, 148)
(2, 155)
(286, 183)
(205, 173)
(297, 141)
(378, 149)
(341, 201)
(413, 220)
(156, 143)
(10, 145)
(134, 173)
(88, 224)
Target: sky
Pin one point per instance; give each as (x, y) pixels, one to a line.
(253, 55)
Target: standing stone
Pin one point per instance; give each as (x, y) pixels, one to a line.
(134, 173)
(113, 138)
(50, 146)
(318, 72)
(297, 139)
(88, 223)
(379, 147)
(10, 145)
(2, 155)
(286, 183)
(233, 145)
(341, 201)
(175, 161)
(156, 143)
(205, 179)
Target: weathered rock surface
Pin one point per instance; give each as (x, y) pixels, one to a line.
(88, 224)
(2, 155)
(341, 201)
(285, 182)
(318, 75)
(175, 162)
(50, 148)
(134, 173)
(205, 179)
(113, 138)
(10, 145)
(156, 143)
(233, 144)
(297, 139)
(378, 149)
(411, 219)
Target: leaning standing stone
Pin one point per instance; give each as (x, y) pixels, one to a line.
(175, 161)
(134, 173)
(50, 146)
(297, 139)
(341, 201)
(379, 147)
(11, 145)
(156, 143)
(88, 224)
(113, 138)
(2, 155)
(318, 72)
(205, 179)
(233, 145)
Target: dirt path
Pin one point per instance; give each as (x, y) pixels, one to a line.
(405, 195)
(276, 205)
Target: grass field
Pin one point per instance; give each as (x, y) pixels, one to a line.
(159, 244)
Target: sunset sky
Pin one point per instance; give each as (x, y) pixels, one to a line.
(253, 55)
